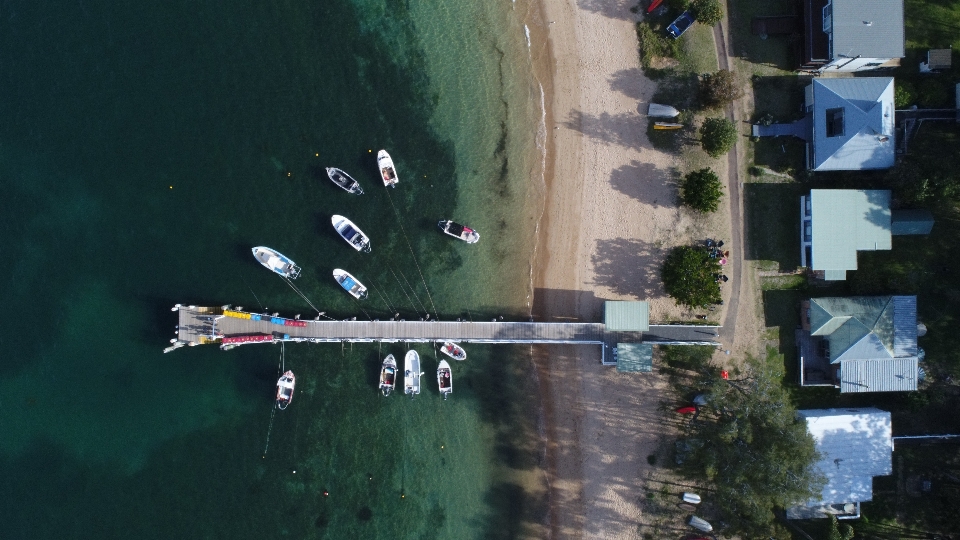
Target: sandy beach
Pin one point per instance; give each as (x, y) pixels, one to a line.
(610, 217)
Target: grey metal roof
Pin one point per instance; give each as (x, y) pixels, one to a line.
(855, 445)
(634, 357)
(904, 325)
(911, 222)
(626, 316)
(881, 375)
(868, 28)
(844, 221)
(867, 140)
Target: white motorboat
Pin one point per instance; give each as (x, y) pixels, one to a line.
(344, 180)
(351, 233)
(285, 387)
(411, 373)
(387, 171)
(276, 262)
(388, 375)
(457, 230)
(350, 284)
(453, 350)
(444, 379)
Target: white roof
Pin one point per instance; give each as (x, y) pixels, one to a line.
(855, 445)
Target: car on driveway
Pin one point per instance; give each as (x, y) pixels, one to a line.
(680, 24)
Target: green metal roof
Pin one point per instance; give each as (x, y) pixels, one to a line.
(621, 316)
(845, 221)
(635, 357)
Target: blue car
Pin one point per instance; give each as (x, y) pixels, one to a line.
(680, 25)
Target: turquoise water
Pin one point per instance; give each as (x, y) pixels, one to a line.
(145, 147)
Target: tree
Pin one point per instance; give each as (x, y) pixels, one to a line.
(708, 12)
(702, 190)
(750, 445)
(690, 277)
(717, 136)
(719, 88)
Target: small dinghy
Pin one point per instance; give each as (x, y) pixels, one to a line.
(350, 284)
(700, 524)
(457, 230)
(453, 350)
(285, 390)
(656, 110)
(411, 373)
(276, 262)
(666, 125)
(344, 180)
(444, 379)
(351, 233)
(387, 171)
(388, 375)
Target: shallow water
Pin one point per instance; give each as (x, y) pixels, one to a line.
(145, 148)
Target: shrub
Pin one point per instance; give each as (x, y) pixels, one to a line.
(904, 95)
(708, 12)
(654, 44)
(719, 88)
(702, 190)
(689, 277)
(717, 136)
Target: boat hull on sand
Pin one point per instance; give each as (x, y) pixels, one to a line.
(350, 284)
(285, 386)
(411, 373)
(344, 180)
(453, 350)
(459, 231)
(388, 375)
(388, 172)
(274, 261)
(351, 233)
(444, 379)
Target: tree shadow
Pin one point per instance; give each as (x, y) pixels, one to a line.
(645, 183)
(621, 129)
(614, 9)
(627, 82)
(629, 267)
(772, 229)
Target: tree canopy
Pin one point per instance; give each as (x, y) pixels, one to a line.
(702, 190)
(708, 12)
(718, 89)
(690, 277)
(717, 136)
(749, 444)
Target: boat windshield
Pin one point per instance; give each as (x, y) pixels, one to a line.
(349, 232)
(348, 283)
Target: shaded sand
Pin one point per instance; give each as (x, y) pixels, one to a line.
(610, 217)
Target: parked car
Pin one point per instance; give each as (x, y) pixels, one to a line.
(680, 24)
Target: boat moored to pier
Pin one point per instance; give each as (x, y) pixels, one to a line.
(285, 388)
(350, 284)
(444, 379)
(351, 233)
(453, 350)
(387, 170)
(344, 180)
(388, 375)
(411, 373)
(276, 262)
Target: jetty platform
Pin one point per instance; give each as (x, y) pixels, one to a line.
(229, 328)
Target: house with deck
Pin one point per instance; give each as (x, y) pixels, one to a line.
(859, 344)
(855, 445)
(851, 35)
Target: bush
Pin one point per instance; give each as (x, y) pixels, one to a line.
(655, 44)
(702, 190)
(717, 136)
(719, 88)
(904, 95)
(689, 277)
(708, 12)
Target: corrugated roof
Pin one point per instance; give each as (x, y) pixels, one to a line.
(635, 357)
(867, 138)
(626, 316)
(855, 445)
(882, 375)
(844, 221)
(868, 28)
(904, 222)
(905, 326)
(940, 58)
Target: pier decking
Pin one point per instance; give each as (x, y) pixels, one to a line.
(203, 325)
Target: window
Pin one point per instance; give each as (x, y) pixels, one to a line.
(835, 122)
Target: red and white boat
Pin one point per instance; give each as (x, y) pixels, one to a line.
(285, 389)
(453, 350)
(444, 379)
(387, 170)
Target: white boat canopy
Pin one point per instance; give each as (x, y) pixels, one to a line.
(662, 111)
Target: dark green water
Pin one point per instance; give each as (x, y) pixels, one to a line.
(145, 147)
